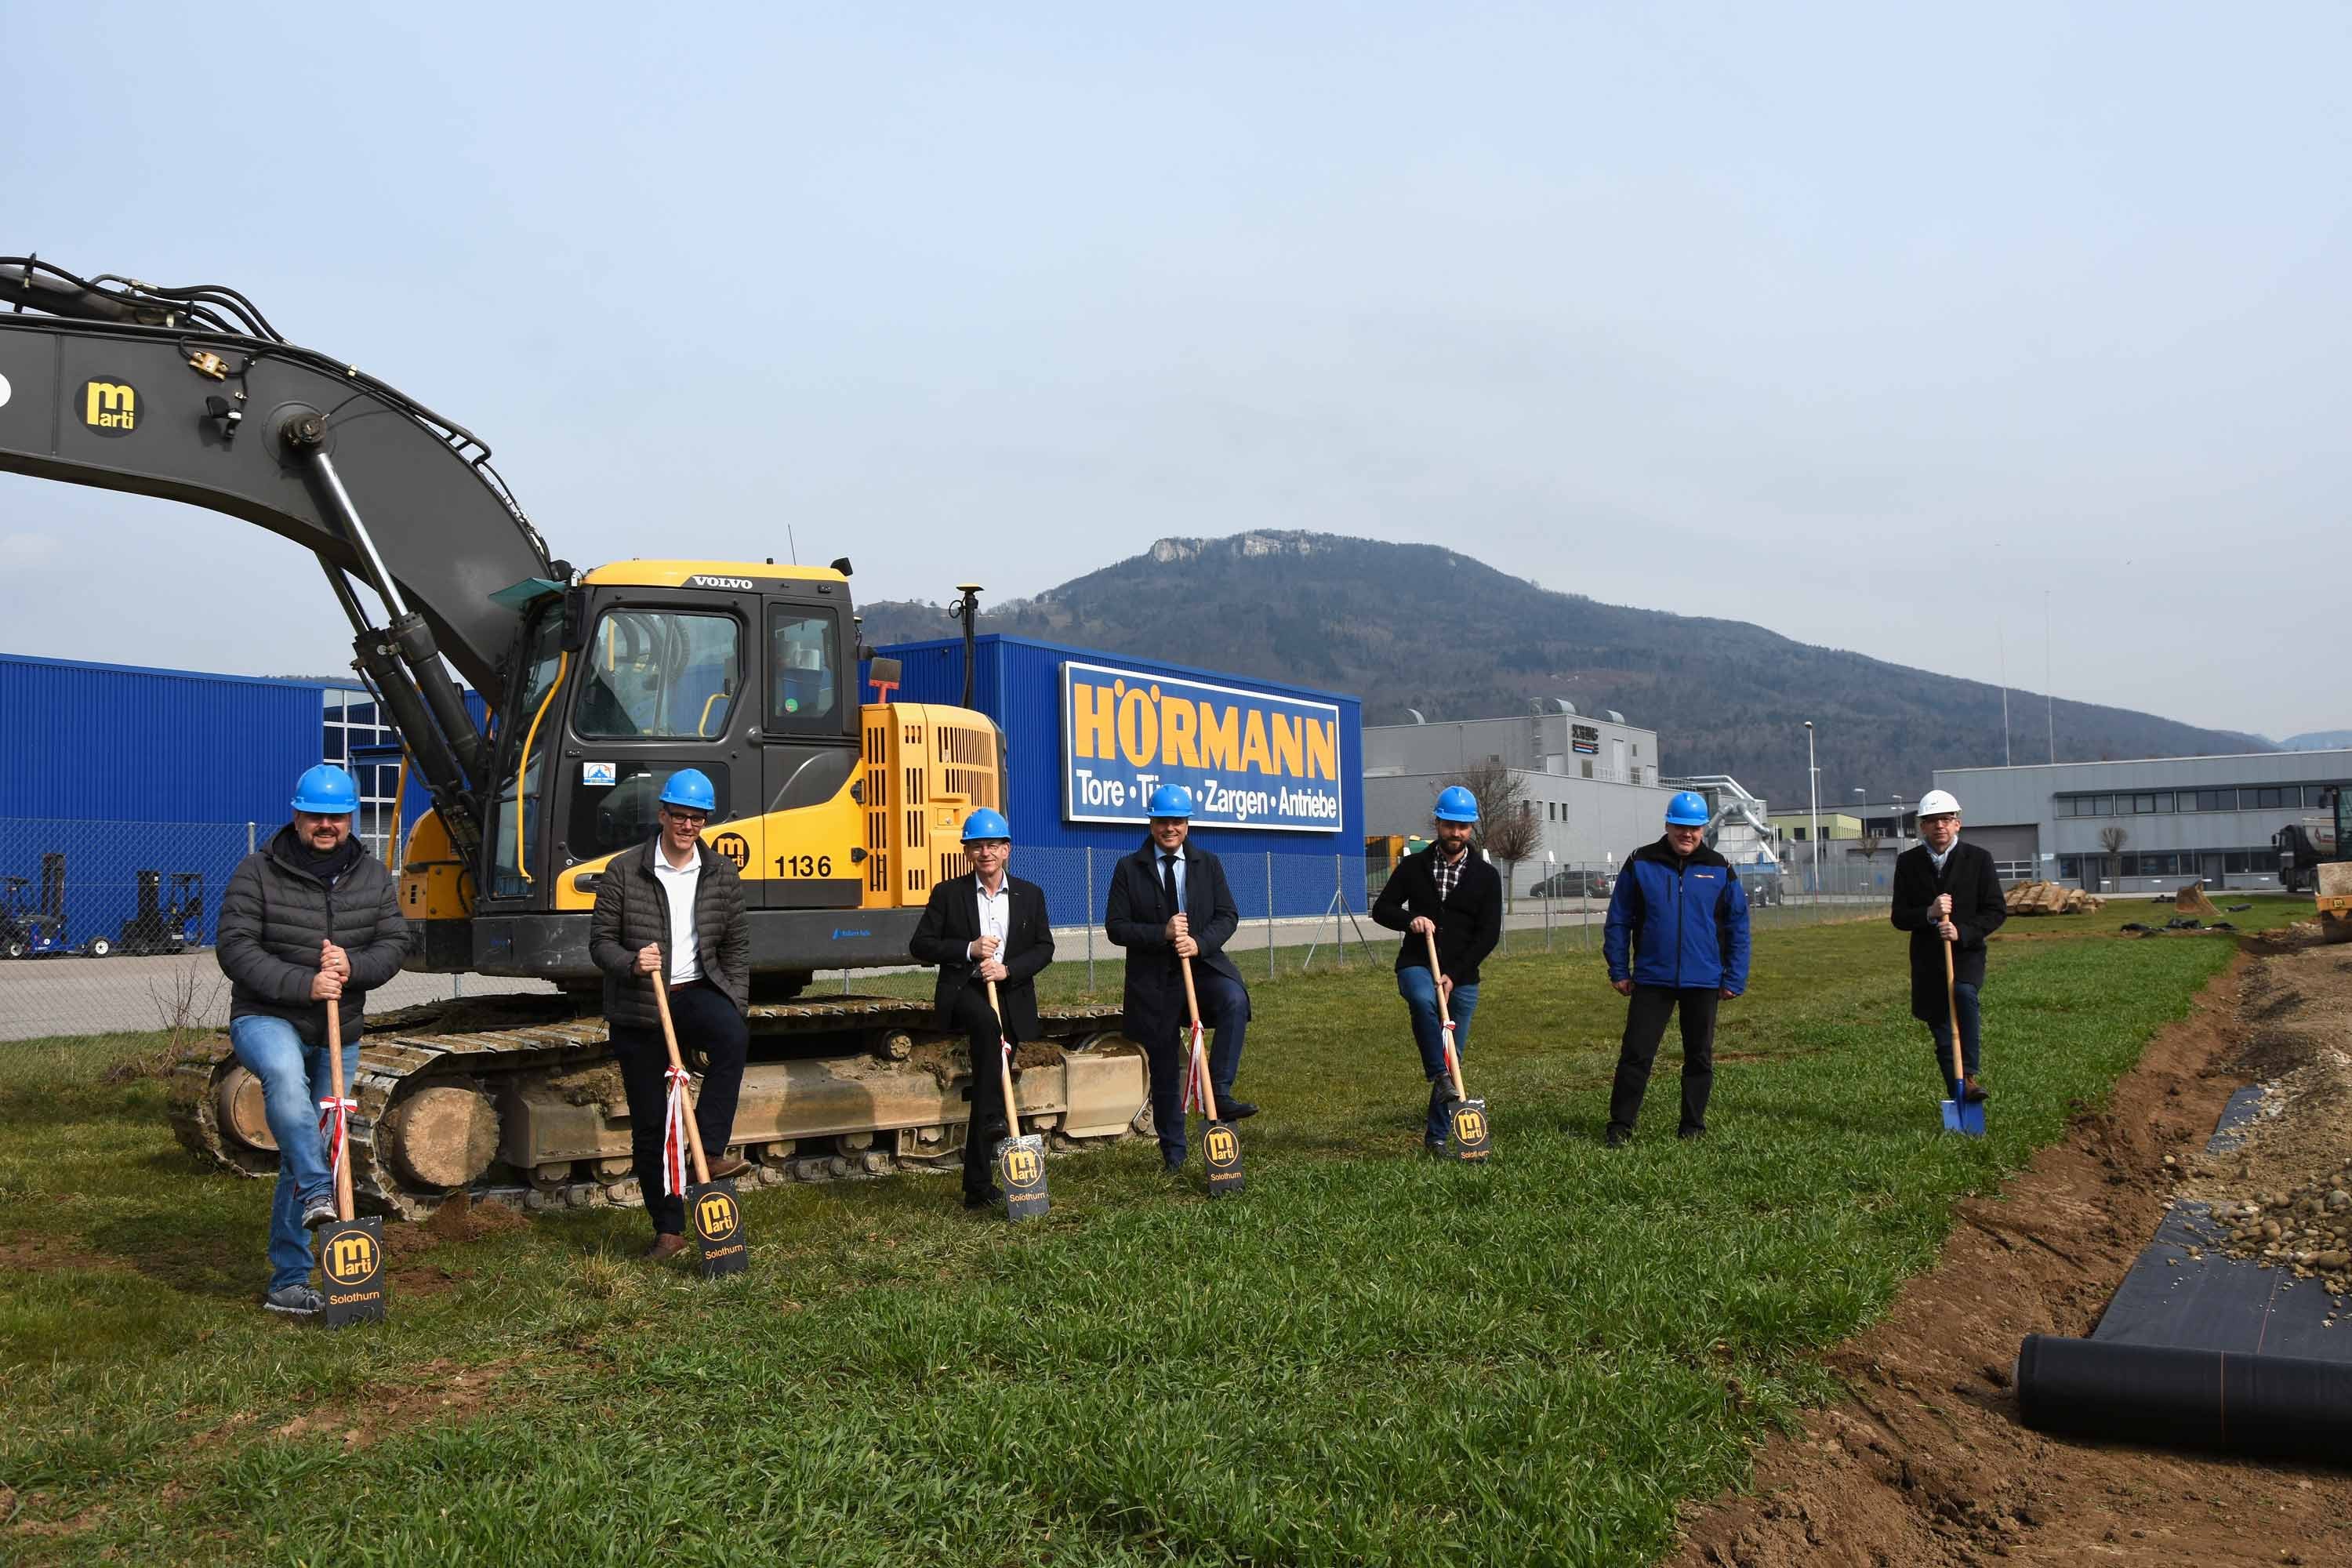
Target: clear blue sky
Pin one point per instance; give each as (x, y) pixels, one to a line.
(1868, 323)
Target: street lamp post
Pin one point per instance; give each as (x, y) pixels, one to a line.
(1813, 777)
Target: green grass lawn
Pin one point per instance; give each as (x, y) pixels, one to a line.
(1368, 1357)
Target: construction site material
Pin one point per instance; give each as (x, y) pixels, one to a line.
(2335, 900)
(2190, 899)
(2171, 1395)
(2051, 899)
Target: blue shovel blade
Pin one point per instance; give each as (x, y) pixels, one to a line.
(1964, 1118)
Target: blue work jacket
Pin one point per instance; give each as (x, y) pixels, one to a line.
(1684, 922)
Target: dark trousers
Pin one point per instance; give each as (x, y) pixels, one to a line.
(987, 1126)
(1645, 1025)
(705, 1018)
(1224, 1007)
(1964, 1000)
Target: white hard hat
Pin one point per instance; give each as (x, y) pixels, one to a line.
(1940, 803)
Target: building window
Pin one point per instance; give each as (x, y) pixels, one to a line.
(2071, 866)
(2102, 806)
(349, 721)
(2265, 799)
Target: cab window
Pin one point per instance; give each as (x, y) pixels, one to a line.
(805, 670)
(660, 675)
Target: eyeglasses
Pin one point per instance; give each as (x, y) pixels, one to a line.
(687, 818)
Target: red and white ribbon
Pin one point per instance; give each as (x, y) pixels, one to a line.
(1196, 1076)
(1453, 1057)
(674, 1133)
(334, 1131)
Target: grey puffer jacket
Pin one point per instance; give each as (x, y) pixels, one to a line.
(274, 914)
(631, 909)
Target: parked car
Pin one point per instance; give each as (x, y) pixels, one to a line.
(1571, 885)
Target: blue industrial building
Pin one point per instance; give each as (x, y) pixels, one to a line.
(122, 769)
(1030, 689)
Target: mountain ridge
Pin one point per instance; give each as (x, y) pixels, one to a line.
(1422, 627)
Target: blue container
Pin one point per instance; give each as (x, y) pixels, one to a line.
(1019, 683)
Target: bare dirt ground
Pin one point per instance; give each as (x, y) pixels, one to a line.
(1927, 1462)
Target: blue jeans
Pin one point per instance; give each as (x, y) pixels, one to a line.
(1419, 989)
(1964, 999)
(293, 1081)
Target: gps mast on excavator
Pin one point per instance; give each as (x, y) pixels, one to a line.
(840, 815)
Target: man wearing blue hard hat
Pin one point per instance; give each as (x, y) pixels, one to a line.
(310, 920)
(1446, 889)
(670, 911)
(982, 928)
(1676, 939)
(1169, 900)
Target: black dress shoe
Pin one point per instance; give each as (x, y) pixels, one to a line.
(987, 1200)
(1617, 1138)
(1172, 1164)
(1687, 1134)
(1235, 1109)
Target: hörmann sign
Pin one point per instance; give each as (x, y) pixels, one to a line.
(1252, 759)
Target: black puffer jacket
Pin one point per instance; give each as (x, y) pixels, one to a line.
(276, 913)
(632, 911)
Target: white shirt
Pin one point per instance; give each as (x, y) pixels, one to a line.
(1939, 859)
(678, 885)
(995, 915)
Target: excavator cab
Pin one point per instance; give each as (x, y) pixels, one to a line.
(746, 671)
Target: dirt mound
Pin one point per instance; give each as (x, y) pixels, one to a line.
(1928, 1464)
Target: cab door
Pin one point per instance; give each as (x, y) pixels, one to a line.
(809, 752)
(666, 681)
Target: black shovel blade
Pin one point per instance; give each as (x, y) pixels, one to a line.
(1221, 1150)
(1468, 1130)
(350, 1270)
(1021, 1171)
(717, 1219)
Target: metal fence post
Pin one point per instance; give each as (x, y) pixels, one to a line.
(249, 839)
(1584, 898)
(1269, 914)
(1090, 919)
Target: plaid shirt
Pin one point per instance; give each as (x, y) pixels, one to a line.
(1448, 873)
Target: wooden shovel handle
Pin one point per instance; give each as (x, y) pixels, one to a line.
(1003, 1067)
(1444, 1015)
(1952, 1011)
(669, 1039)
(1193, 1010)
(335, 1087)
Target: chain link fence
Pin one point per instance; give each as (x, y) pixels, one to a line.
(108, 927)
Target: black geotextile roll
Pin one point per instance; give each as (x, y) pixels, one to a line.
(2210, 1399)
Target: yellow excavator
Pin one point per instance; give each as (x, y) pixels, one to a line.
(840, 813)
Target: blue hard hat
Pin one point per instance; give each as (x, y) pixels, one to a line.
(326, 791)
(1687, 809)
(986, 823)
(1455, 804)
(690, 787)
(1172, 800)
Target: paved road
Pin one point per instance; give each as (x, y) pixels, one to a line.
(49, 997)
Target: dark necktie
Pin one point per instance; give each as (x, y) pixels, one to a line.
(1168, 882)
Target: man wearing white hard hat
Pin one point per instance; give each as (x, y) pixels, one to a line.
(1946, 891)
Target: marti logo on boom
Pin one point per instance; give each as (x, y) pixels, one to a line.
(110, 407)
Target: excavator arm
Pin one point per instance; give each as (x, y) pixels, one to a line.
(189, 395)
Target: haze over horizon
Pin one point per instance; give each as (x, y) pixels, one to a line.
(1870, 328)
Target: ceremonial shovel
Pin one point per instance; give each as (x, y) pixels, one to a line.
(1963, 1116)
(1466, 1128)
(1020, 1162)
(350, 1251)
(712, 1211)
(1220, 1146)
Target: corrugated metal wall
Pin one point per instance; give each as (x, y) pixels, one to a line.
(1018, 683)
(119, 743)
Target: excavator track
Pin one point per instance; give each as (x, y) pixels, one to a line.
(512, 1098)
